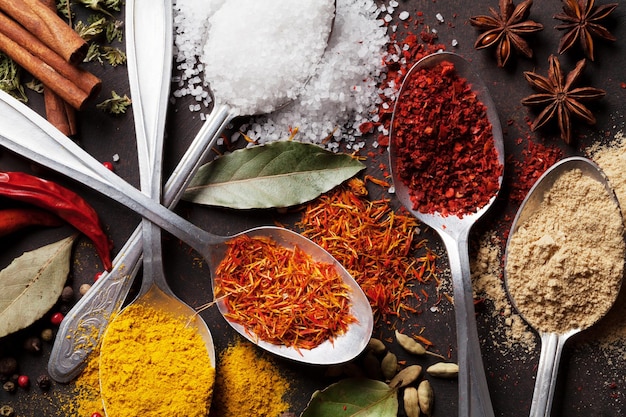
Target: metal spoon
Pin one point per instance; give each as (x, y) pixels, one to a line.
(83, 326)
(551, 343)
(150, 113)
(29, 135)
(474, 398)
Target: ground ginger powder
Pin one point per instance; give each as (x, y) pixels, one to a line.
(153, 364)
(248, 384)
(565, 262)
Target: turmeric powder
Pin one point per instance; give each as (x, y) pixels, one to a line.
(152, 364)
(248, 384)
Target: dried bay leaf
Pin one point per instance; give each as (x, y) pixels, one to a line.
(354, 396)
(279, 174)
(32, 284)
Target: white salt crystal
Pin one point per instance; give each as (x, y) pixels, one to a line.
(259, 53)
(439, 18)
(403, 15)
(455, 42)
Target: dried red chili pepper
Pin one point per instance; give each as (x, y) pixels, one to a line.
(61, 201)
(14, 219)
(444, 143)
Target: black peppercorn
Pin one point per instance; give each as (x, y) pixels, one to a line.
(67, 294)
(8, 366)
(33, 345)
(9, 386)
(43, 382)
(7, 411)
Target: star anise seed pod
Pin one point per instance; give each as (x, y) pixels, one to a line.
(560, 99)
(581, 21)
(506, 29)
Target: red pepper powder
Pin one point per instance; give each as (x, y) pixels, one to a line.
(444, 143)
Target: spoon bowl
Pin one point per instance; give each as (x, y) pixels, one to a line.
(552, 343)
(474, 398)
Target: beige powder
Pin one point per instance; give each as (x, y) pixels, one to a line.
(565, 263)
(611, 331)
(487, 280)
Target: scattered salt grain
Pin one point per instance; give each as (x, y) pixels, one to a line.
(403, 15)
(329, 106)
(439, 18)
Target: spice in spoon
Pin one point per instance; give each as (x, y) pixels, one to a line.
(565, 262)
(281, 295)
(444, 143)
(153, 364)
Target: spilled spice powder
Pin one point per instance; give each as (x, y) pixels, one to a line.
(84, 398)
(376, 245)
(488, 282)
(248, 384)
(610, 332)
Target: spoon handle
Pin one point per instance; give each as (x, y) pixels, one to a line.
(547, 372)
(474, 398)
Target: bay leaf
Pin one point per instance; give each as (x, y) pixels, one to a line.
(32, 284)
(354, 396)
(278, 174)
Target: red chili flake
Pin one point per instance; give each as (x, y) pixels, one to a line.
(366, 127)
(444, 143)
(622, 84)
(282, 295)
(536, 159)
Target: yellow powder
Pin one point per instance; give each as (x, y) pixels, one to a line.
(248, 384)
(153, 364)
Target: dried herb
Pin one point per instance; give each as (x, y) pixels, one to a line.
(116, 104)
(279, 174)
(281, 295)
(376, 245)
(581, 20)
(505, 29)
(10, 78)
(32, 284)
(560, 99)
(354, 397)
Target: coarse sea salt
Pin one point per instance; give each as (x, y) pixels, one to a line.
(342, 94)
(259, 53)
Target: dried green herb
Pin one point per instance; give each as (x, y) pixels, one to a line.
(116, 104)
(114, 56)
(10, 78)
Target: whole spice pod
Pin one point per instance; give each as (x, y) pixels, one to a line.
(412, 346)
(426, 397)
(389, 365)
(443, 370)
(411, 402)
(406, 376)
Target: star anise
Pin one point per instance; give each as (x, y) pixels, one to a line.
(581, 20)
(505, 29)
(560, 99)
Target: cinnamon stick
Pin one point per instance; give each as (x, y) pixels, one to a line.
(47, 26)
(60, 114)
(73, 84)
